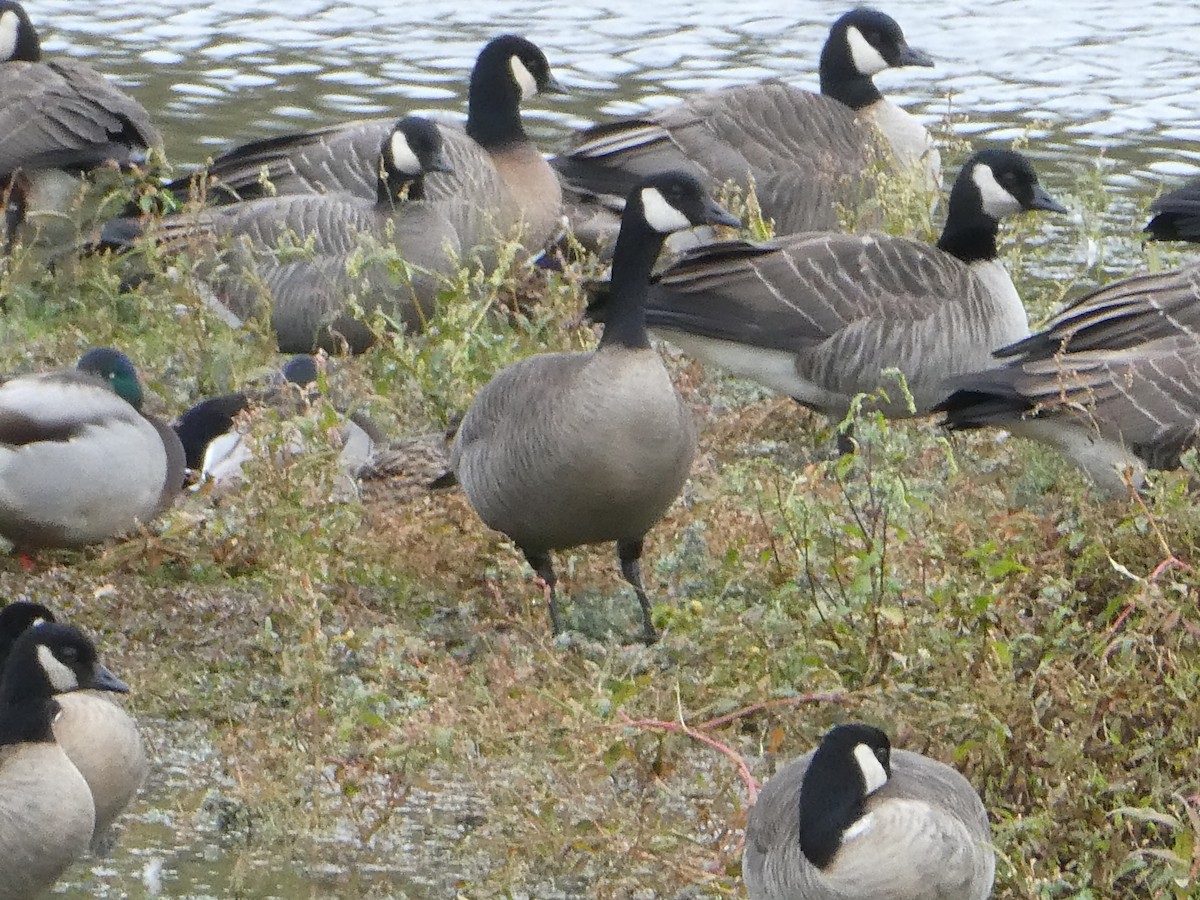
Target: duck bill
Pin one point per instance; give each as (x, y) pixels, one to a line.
(1042, 200)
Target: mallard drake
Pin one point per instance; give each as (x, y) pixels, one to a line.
(500, 185)
(806, 153)
(856, 820)
(99, 737)
(78, 461)
(1112, 381)
(46, 811)
(820, 317)
(564, 449)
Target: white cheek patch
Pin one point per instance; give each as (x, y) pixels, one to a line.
(867, 59)
(10, 27)
(526, 83)
(403, 158)
(62, 679)
(997, 202)
(661, 215)
(873, 773)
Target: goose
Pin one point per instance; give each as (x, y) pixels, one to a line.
(98, 736)
(1176, 214)
(857, 820)
(506, 183)
(305, 255)
(60, 115)
(215, 447)
(806, 153)
(78, 461)
(821, 316)
(564, 449)
(1112, 381)
(46, 811)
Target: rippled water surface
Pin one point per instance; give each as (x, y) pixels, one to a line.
(1090, 82)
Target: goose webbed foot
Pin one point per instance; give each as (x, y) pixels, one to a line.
(545, 571)
(630, 554)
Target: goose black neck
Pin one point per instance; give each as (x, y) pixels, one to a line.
(830, 802)
(396, 184)
(27, 721)
(841, 80)
(638, 246)
(969, 236)
(494, 107)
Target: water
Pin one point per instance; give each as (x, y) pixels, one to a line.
(1095, 85)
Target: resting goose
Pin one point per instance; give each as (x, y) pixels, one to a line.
(99, 737)
(78, 461)
(564, 449)
(807, 153)
(1112, 381)
(300, 258)
(1176, 214)
(856, 820)
(820, 316)
(497, 169)
(60, 115)
(46, 811)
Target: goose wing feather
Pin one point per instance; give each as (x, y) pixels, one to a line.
(847, 306)
(66, 115)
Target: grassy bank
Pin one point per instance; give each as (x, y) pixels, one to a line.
(353, 664)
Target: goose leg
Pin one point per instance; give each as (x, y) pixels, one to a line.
(630, 554)
(544, 567)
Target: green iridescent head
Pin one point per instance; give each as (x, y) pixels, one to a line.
(117, 370)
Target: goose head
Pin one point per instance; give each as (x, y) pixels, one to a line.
(413, 149)
(672, 201)
(47, 659)
(18, 38)
(116, 370)
(509, 69)
(863, 43)
(852, 762)
(992, 185)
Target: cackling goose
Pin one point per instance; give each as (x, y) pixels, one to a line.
(856, 820)
(564, 449)
(807, 153)
(1113, 381)
(820, 316)
(98, 736)
(498, 171)
(46, 811)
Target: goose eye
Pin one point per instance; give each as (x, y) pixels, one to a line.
(68, 654)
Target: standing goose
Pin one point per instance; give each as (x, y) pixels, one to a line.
(564, 449)
(856, 820)
(1112, 382)
(807, 153)
(98, 736)
(820, 316)
(1176, 214)
(46, 812)
(60, 116)
(497, 169)
(300, 258)
(78, 461)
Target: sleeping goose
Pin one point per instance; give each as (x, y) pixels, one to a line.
(496, 167)
(1176, 214)
(46, 811)
(301, 258)
(60, 116)
(564, 449)
(1112, 381)
(807, 153)
(99, 737)
(78, 461)
(820, 316)
(856, 820)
